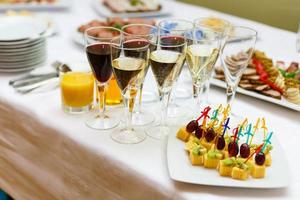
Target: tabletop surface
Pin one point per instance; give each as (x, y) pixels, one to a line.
(285, 123)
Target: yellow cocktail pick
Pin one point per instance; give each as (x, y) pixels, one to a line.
(255, 128)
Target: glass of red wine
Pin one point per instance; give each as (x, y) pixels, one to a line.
(98, 49)
(166, 58)
(129, 59)
(148, 32)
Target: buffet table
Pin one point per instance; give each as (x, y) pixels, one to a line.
(47, 154)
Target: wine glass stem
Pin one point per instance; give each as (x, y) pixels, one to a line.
(101, 98)
(197, 91)
(140, 94)
(129, 105)
(206, 88)
(231, 90)
(164, 98)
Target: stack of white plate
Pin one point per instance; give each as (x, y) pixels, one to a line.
(22, 43)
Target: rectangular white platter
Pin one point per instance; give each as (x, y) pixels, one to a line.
(282, 102)
(106, 12)
(180, 168)
(59, 5)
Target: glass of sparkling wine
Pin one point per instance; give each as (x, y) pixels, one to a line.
(184, 28)
(147, 32)
(129, 57)
(97, 47)
(223, 27)
(235, 57)
(166, 59)
(202, 54)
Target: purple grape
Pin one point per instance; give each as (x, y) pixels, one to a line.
(233, 149)
(260, 158)
(220, 142)
(245, 150)
(199, 132)
(210, 135)
(192, 126)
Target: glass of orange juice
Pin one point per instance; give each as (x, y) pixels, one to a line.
(77, 91)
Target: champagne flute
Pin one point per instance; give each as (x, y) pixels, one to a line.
(97, 46)
(148, 32)
(183, 28)
(235, 57)
(202, 54)
(223, 27)
(129, 60)
(166, 59)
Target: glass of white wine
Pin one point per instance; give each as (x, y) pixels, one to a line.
(184, 28)
(166, 59)
(148, 32)
(202, 54)
(129, 59)
(223, 27)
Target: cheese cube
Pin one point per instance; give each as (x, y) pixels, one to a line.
(211, 163)
(196, 159)
(223, 169)
(258, 171)
(207, 145)
(268, 161)
(239, 174)
(182, 134)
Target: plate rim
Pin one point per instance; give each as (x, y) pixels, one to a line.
(105, 12)
(283, 103)
(43, 25)
(61, 4)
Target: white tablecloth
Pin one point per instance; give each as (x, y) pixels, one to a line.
(47, 154)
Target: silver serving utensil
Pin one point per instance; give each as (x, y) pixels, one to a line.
(28, 89)
(59, 67)
(32, 79)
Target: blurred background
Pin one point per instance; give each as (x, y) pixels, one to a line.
(283, 14)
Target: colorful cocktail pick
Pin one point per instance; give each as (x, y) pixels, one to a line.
(267, 141)
(257, 150)
(264, 127)
(255, 128)
(248, 132)
(226, 126)
(204, 115)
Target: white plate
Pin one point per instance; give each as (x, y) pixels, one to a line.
(106, 12)
(23, 64)
(59, 5)
(15, 28)
(17, 50)
(22, 53)
(20, 44)
(180, 168)
(283, 102)
(23, 58)
(23, 69)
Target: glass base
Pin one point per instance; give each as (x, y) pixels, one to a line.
(181, 93)
(128, 136)
(175, 111)
(100, 123)
(141, 119)
(77, 110)
(158, 132)
(149, 97)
